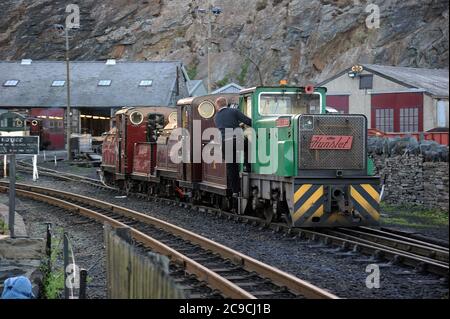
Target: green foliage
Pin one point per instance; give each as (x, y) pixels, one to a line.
(192, 71)
(53, 282)
(223, 82)
(244, 71)
(3, 227)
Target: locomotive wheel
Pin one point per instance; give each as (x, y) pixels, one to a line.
(284, 213)
(226, 204)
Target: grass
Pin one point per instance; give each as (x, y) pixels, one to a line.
(74, 169)
(243, 74)
(3, 227)
(413, 216)
(53, 283)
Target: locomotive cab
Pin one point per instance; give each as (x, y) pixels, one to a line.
(129, 150)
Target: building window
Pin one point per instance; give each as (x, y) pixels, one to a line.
(366, 81)
(11, 83)
(58, 83)
(385, 119)
(146, 83)
(104, 83)
(409, 119)
(338, 102)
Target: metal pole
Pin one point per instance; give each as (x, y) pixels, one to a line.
(5, 165)
(48, 247)
(209, 46)
(12, 194)
(66, 263)
(69, 117)
(83, 284)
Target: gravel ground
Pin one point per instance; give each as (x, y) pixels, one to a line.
(73, 169)
(320, 265)
(86, 239)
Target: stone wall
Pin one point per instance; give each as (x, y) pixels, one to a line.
(410, 180)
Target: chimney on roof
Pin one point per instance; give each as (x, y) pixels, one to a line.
(26, 61)
(111, 62)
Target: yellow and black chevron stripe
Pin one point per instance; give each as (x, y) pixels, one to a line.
(308, 202)
(366, 200)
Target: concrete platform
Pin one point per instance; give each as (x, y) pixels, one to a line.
(19, 227)
(20, 256)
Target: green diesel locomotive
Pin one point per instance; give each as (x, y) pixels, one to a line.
(318, 174)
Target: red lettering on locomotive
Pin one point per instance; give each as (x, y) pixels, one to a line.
(331, 142)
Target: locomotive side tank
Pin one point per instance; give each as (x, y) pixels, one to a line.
(205, 181)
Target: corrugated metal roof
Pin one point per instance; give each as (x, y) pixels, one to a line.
(34, 88)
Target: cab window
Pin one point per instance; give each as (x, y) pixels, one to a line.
(248, 106)
(289, 104)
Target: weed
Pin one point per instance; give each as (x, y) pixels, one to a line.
(223, 82)
(54, 284)
(244, 71)
(413, 216)
(54, 276)
(3, 227)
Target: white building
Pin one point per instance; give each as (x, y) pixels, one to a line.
(394, 99)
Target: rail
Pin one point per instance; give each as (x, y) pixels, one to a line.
(232, 287)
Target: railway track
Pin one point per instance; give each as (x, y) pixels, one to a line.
(225, 270)
(27, 167)
(381, 244)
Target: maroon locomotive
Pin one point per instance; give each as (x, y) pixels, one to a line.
(129, 149)
(136, 153)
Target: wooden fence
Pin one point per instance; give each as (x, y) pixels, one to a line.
(131, 274)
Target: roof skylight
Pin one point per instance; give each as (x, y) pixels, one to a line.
(146, 83)
(58, 83)
(11, 83)
(104, 83)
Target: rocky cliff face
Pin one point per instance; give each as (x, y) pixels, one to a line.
(302, 40)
